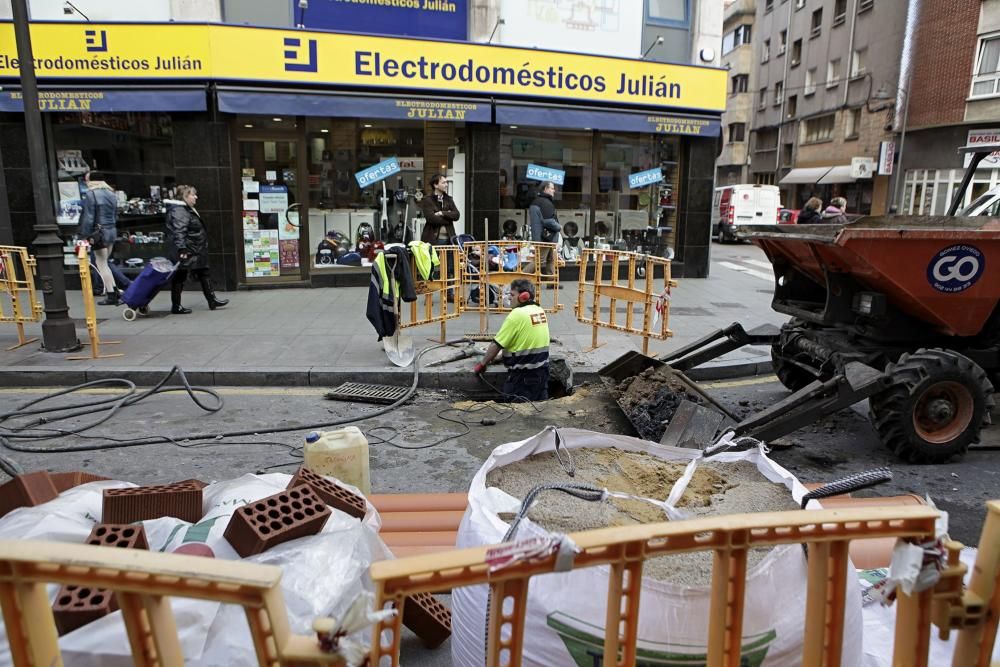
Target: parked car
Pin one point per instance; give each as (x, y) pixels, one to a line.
(788, 216)
(735, 205)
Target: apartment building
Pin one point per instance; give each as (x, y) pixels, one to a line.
(733, 164)
(826, 85)
(954, 101)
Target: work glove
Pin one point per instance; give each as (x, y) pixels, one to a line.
(479, 369)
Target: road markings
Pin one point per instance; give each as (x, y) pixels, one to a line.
(762, 264)
(753, 272)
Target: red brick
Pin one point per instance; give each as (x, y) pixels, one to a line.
(427, 618)
(64, 481)
(181, 500)
(28, 490)
(330, 492)
(285, 516)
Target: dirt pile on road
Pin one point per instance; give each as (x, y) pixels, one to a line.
(651, 398)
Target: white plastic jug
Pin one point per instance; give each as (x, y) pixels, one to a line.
(342, 454)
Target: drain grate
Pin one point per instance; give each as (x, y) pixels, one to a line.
(481, 337)
(358, 392)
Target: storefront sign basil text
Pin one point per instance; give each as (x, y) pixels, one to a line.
(643, 178)
(538, 173)
(956, 268)
(179, 51)
(377, 172)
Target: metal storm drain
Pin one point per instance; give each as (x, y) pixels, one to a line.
(358, 392)
(480, 337)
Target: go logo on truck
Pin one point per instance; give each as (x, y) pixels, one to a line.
(956, 268)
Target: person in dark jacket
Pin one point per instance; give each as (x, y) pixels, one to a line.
(834, 213)
(98, 224)
(188, 238)
(809, 215)
(545, 225)
(440, 215)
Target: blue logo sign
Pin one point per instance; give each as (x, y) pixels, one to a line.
(96, 40)
(437, 19)
(292, 56)
(643, 178)
(377, 172)
(956, 268)
(538, 173)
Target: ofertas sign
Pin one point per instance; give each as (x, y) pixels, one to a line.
(538, 173)
(176, 51)
(644, 178)
(377, 172)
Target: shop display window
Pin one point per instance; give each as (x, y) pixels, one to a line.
(135, 152)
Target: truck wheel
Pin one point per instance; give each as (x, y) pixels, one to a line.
(789, 374)
(935, 407)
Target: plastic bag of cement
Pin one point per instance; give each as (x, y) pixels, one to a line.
(565, 619)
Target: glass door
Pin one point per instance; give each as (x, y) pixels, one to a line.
(271, 210)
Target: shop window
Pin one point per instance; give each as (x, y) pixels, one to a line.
(833, 73)
(986, 77)
(817, 23)
(839, 12)
(566, 150)
(852, 124)
(815, 130)
(135, 153)
(740, 83)
(810, 86)
(737, 132)
(859, 62)
(796, 53)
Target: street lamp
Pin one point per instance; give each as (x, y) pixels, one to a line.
(58, 330)
(658, 40)
(496, 25)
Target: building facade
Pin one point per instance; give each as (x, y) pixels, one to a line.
(733, 165)
(955, 101)
(827, 75)
(274, 142)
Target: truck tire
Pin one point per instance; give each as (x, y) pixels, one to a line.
(789, 374)
(935, 407)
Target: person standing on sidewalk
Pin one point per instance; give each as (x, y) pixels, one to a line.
(545, 225)
(189, 249)
(98, 224)
(440, 215)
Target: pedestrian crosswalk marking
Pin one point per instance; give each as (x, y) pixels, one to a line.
(760, 263)
(753, 272)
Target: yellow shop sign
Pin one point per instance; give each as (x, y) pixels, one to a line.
(237, 53)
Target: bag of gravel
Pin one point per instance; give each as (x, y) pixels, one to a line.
(566, 611)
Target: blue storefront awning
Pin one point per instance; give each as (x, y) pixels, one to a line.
(108, 100)
(355, 106)
(598, 119)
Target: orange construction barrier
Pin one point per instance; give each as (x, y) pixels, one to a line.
(89, 309)
(17, 281)
(433, 292)
(640, 290)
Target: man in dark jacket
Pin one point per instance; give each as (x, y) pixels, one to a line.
(440, 216)
(545, 225)
(98, 224)
(189, 240)
(810, 215)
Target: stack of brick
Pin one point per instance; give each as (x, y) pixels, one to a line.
(76, 606)
(28, 490)
(181, 500)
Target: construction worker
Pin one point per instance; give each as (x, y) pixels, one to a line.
(524, 340)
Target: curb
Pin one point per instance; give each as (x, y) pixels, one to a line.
(462, 380)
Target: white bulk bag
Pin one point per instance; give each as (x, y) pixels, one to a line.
(566, 611)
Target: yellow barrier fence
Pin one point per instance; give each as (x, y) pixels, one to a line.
(624, 549)
(481, 273)
(646, 298)
(432, 304)
(89, 309)
(17, 282)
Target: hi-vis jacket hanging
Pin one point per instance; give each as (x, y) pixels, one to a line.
(386, 287)
(425, 257)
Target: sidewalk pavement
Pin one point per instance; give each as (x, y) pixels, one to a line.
(320, 337)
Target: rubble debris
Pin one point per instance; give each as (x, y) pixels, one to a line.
(651, 398)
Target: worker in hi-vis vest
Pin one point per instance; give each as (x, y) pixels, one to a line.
(524, 340)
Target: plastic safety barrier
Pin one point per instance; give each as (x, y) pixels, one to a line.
(647, 300)
(17, 282)
(89, 309)
(484, 280)
(827, 533)
(432, 305)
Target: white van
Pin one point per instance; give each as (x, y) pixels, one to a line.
(735, 205)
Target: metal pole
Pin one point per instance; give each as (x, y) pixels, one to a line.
(58, 330)
(900, 174)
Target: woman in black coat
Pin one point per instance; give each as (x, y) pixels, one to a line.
(189, 249)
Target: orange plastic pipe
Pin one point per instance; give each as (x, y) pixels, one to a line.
(419, 502)
(407, 522)
(877, 551)
(421, 538)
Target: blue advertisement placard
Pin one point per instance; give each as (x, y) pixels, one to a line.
(438, 19)
(539, 173)
(377, 172)
(641, 179)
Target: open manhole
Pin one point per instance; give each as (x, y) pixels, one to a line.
(358, 392)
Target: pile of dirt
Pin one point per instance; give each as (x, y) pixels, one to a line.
(715, 489)
(651, 398)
